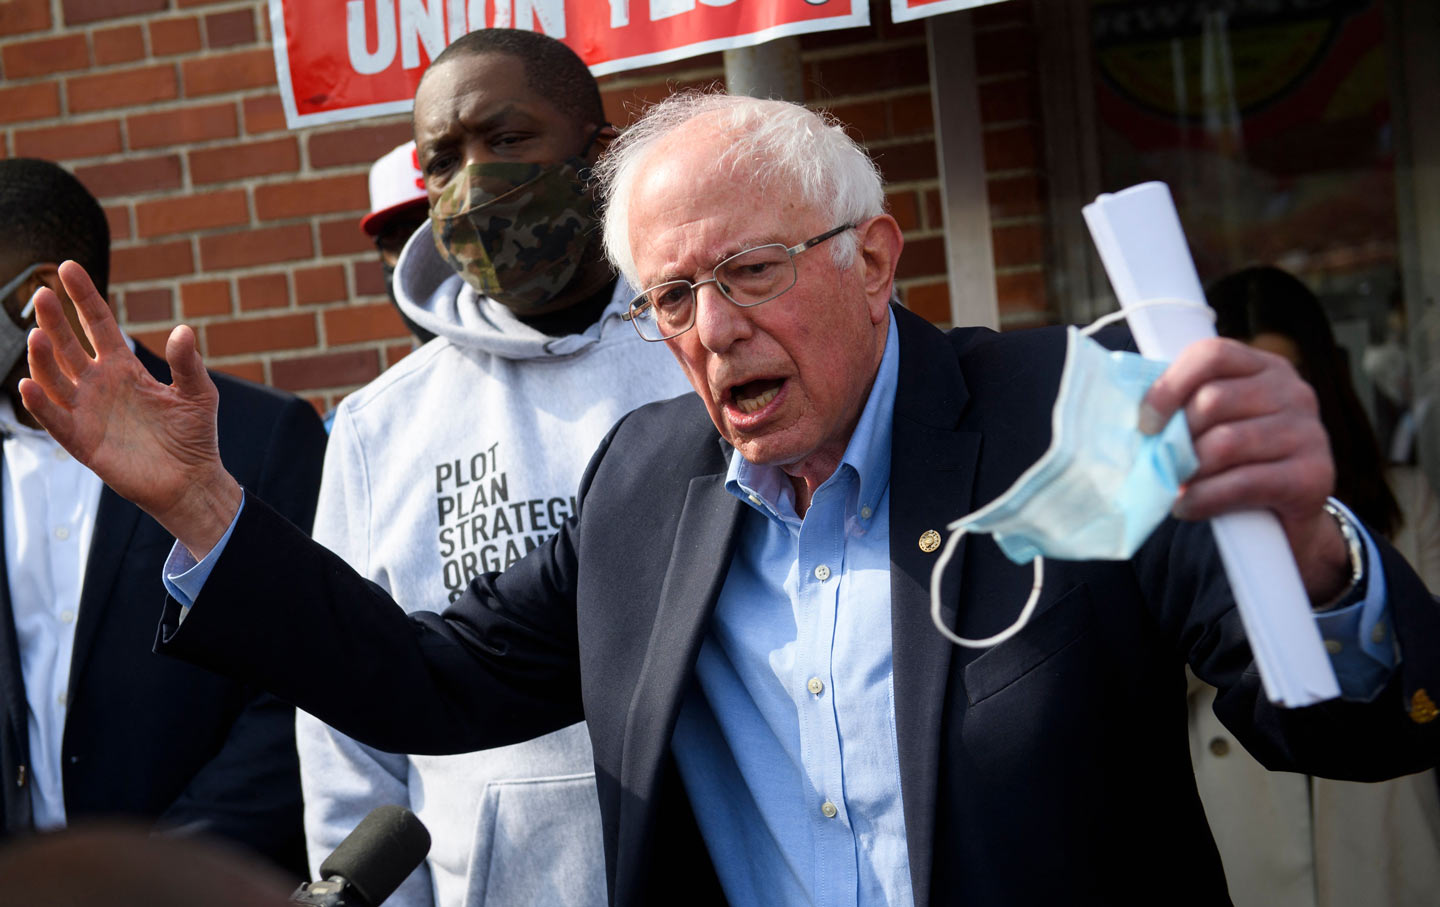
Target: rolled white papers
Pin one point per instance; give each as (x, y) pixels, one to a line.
(1143, 248)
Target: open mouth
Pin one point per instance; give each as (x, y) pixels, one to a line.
(754, 395)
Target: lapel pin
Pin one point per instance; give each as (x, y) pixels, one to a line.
(1422, 707)
(929, 541)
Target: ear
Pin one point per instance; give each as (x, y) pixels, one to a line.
(880, 245)
(606, 134)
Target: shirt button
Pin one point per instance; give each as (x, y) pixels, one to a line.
(754, 499)
(60, 699)
(822, 573)
(67, 617)
(1333, 646)
(1219, 746)
(1377, 633)
(828, 810)
(60, 454)
(62, 533)
(815, 686)
(866, 513)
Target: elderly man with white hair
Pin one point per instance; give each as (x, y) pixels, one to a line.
(740, 608)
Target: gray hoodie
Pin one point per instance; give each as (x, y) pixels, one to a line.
(456, 461)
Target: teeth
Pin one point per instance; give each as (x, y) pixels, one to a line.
(751, 404)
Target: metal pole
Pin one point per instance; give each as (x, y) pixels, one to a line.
(769, 70)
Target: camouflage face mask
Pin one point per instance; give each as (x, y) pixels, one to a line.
(516, 232)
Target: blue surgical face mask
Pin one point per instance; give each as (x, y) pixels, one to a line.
(1100, 489)
(12, 335)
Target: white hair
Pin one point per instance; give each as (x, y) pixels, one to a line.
(785, 145)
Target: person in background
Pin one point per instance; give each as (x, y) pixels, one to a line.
(466, 454)
(398, 205)
(1291, 840)
(92, 724)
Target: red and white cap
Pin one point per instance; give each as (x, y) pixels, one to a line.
(395, 184)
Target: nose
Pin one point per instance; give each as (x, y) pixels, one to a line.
(718, 321)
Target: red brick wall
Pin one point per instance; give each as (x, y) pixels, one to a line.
(221, 217)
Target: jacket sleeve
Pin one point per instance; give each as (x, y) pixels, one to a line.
(341, 779)
(250, 790)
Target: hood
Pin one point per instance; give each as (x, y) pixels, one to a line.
(431, 294)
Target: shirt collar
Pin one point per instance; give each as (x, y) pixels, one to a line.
(767, 488)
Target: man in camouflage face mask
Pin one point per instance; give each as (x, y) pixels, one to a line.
(531, 365)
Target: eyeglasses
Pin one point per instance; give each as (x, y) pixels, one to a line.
(747, 279)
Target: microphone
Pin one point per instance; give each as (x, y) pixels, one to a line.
(370, 863)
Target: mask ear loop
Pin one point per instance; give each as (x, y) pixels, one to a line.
(938, 573)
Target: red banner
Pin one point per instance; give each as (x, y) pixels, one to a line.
(905, 10)
(368, 60)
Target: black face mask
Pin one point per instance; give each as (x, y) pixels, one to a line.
(388, 270)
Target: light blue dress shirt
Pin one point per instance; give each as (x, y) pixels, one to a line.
(786, 743)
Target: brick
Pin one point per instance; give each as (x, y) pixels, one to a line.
(930, 301)
(359, 323)
(118, 217)
(303, 198)
(1015, 196)
(37, 101)
(359, 145)
(131, 176)
(118, 45)
(922, 258)
(1021, 244)
(253, 370)
(904, 209)
(236, 162)
(1022, 292)
(125, 88)
(216, 73)
(344, 237)
(1005, 100)
(322, 284)
(865, 120)
(866, 72)
(912, 114)
(183, 126)
(190, 212)
(624, 105)
(903, 163)
(44, 56)
(1010, 149)
(230, 28)
(60, 143)
(20, 16)
(187, 4)
(204, 297)
(151, 261)
(78, 12)
(174, 36)
(255, 335)
(263, 291)
(264, 114)
(369, 278)
(325, 370)
(934, 210)
(263, 246)
(156, 304)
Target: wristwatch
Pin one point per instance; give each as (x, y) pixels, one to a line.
(1355, 548)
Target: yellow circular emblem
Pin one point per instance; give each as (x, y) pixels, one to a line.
(929, 540)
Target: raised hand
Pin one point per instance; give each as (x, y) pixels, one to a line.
(152, 443)
(1258, 438)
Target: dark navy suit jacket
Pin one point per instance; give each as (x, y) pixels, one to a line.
(1051, 769)
(152, 738)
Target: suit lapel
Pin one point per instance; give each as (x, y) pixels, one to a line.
(705, 539)
(15, 746)
(932, 469)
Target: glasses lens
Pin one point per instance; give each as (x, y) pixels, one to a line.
(663, 311)
(757, 275)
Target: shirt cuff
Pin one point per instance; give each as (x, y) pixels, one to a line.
(184, 577)
(1360, 637)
